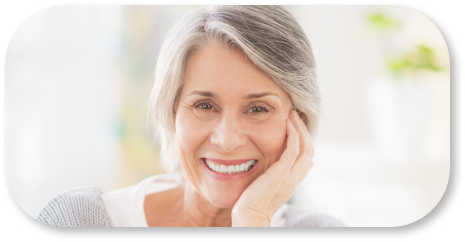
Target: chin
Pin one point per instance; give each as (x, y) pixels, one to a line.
(224, 197)
(224, 202)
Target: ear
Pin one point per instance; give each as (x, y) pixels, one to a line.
(303, 117)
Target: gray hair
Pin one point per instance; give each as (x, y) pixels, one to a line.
(269, 36)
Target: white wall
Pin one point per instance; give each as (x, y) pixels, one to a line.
(365, 172)
(62, 100)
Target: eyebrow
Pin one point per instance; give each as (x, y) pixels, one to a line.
(202, 93)
(258, 95)
(250, 96)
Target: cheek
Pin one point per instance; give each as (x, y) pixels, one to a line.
(270, 139)
(189, 137)
(190, 133)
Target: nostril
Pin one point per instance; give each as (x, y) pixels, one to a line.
(228, 135)
(228, 142)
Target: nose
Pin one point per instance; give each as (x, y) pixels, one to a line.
(228, 136)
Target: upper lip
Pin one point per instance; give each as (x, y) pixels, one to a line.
(229, 162)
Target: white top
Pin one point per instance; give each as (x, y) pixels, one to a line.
(126, 206)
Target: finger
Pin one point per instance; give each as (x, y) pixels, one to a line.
(304, 161)
(292, 148)
(304, 137)
(297, 121)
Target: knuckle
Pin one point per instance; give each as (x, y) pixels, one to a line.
(310, 164)
(311, 151)
(294, 152)
(306, 152)
(294, 155)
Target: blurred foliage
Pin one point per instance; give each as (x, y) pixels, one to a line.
(414, 60)
(422, 58)
(381, 22)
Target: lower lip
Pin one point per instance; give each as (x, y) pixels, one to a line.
(228, 177)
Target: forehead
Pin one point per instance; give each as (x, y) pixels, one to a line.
(227, 72)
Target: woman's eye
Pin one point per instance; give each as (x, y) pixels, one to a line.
(258, 109)
(205, 106)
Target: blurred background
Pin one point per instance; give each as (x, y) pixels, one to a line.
(78, 79)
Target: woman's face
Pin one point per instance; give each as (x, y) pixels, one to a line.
(229, 113)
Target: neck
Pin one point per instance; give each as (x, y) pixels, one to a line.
(199, 212)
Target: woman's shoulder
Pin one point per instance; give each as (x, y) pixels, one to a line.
(300, 218)
(81, 207)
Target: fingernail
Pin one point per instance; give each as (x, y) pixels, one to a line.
(296, 115)
(289, 121)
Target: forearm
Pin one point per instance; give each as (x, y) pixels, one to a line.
(249, 219)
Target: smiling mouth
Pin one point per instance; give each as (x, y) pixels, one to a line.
(232, 169)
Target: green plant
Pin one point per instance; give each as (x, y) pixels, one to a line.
(416, 59)
(422, 58)
(381, 22)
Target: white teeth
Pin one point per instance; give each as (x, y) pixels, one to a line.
(223, 169)
(232, 169)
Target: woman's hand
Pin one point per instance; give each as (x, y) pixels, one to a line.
(259, 202)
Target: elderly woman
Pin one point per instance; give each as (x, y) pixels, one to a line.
(234, 105)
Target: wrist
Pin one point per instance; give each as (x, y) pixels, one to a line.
(242, 218)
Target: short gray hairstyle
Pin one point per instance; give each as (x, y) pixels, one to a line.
(269, 36)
